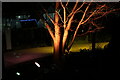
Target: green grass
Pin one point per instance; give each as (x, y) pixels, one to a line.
(75, 48)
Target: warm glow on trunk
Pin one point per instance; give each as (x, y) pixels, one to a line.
(65, 36)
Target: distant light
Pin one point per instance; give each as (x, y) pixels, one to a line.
(8, 28)
(38, 65)
(16, 22)
(8, 24)
(82, 30)
(28, 15)
(19, 17)
(17, 73)
(29, 20)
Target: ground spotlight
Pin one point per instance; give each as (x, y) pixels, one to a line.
(17, 73)
(37, 64)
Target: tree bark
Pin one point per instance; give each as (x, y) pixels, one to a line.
(65, 36)
(59, 40)
(58, 48)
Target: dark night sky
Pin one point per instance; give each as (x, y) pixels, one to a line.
(13, 8)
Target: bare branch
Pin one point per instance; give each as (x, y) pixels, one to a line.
(64, 17)
(62, 4)
(56, 14)
(60, 16)
(71, 18)
(69, 22)
(49, 16)
(79, 8)
(90, 31)
(73, 8)
(73, 13)
(67, 3)
(84, 33)
(71, 30)
(66, 20)
(105, 13)
(83, 15)
(78, 27)
(75, 21)
(80, 24)
(50, 31)
(48, 28)
(94, 24)
(92, 14)
(80, 11)
(64, 11)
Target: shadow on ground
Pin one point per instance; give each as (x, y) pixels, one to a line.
(84, 65)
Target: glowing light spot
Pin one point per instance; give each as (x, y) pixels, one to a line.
(38, 65)
(82, 30)
(17, 73)
(28, 20)
(19, 16)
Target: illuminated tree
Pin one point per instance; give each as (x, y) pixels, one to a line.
(80, 15)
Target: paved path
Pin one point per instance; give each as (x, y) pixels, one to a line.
(15, 57)
(19, 56)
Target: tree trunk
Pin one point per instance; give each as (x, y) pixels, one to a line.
(65, 36)
(58, 48)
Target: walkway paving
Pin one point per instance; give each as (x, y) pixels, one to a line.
(19, 56)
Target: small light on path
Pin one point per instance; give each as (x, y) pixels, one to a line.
(17, 73)
(38, 65)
